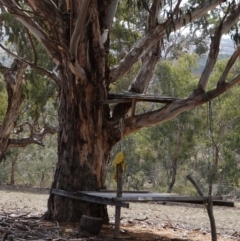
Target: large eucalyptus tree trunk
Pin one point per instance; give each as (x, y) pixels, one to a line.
(83, 147)
(83, 141)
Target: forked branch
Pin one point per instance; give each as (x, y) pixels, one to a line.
(157, 34)
(173, 109)
(214, 50)
(34, 138)
(46, 72)
(229, 66)
(79, 26)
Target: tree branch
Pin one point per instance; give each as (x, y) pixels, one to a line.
(76, 36)
(53, 47)
(110, 14)
(171, 110)
(153, 14)
(212, 58)
(34, 138)
(35, 57)
(146, 72)
(18, 129)
(150, 59)
(48, 73)
(13, 79)
(200, 193)
(77, 70)
(3, 68)
(230, 64)
(50, 46)
(23, 142)
(214, 49)
(233, 82)
(49, 12)
(155, 35)
(166, 113)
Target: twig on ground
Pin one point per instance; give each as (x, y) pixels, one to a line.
(140, 220)
(173, 224)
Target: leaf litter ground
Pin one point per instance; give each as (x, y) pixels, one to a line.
(21, 211)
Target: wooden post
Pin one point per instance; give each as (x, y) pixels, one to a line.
(133, 107)
(119, 194)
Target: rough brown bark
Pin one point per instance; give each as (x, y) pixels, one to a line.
(83, 140)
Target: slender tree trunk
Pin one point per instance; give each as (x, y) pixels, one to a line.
(209, 207)
(42, 182)
(176, 157)
(173, 172)
(172, 181)
(12, 180)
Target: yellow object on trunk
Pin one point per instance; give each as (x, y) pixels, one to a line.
(119, 159)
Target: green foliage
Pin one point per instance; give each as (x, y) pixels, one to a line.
(123, 83)
(150, 152)
(34, 166)
(127, 29)
(38, 107)
(18, 39)
(170, 142)
(201, 47)
(172, 75)
(217, 151)
(38, 90)
(184, 189)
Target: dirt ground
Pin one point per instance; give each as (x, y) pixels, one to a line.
(142, 221)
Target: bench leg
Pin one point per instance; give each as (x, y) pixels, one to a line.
(117, 221)
(119, 194)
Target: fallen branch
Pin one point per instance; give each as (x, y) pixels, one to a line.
(173, 224)
(195, 185)
(209, 207)
(140, 220)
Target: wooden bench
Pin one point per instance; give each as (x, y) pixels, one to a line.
(121, 199)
